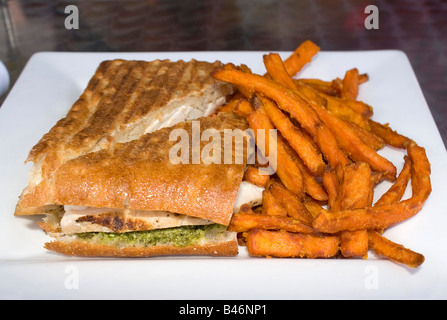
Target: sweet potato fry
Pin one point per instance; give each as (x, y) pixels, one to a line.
(361, 107)
(363, 78)
(354, 243)
(253, 176)
(381, 217)
(311, 186)
(344, 111)
(286, 168)
(305, 149)
(291, 245)
(332, 185)
(356, 192)
(314, 208)
(369, 138)
(397, 190)
(277, 70)
(302, 55)
(350, 88)
(271, 205)
(393, 251)
(291, 202)
(288, 100)
(242, 222)
(357, 187)
(349, 141)
(320, 86)
(243, 107)
(388, 135)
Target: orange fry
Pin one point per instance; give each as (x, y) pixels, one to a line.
(284, 97)
(381, 217)
(300, 143)
(243, 107)
(320, 86)
(242, 222)
(348, 140)
(291, 245)
(288, 100)
(356, 192)
(292, 203)
(286, 168)
(252, 175)
(388, 135)
(397, 190)
(393, 251)
(350, 88)
(300, 57)
(354, 243)
(332, 186)
(271, 205)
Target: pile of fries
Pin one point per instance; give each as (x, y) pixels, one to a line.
(319, 202)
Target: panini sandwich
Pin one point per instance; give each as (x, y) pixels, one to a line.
(103, 178)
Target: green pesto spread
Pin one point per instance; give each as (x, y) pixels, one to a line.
(178, 236)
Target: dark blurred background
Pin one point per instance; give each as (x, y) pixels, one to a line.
(418, 27)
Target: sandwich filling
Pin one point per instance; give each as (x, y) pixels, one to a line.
(178, 236)
(142, 228)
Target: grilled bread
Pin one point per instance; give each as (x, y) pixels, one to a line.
(123, 101)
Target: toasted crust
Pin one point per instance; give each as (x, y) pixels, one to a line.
(84, 249)
(123, 100)
(139, 175)
(119, 94)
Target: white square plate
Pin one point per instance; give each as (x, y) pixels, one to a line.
(51, 82)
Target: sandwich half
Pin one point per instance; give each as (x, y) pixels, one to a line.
(132, 201)
(103, 176)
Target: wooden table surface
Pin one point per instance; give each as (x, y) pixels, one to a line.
(417, 27)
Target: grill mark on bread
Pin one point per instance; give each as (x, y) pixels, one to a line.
(111, 111)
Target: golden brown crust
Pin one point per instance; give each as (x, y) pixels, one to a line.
(85, 249)
(140, 175)
(119, 93)
(122, 96)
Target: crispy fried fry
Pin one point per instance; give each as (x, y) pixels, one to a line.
(243, 107)
(332, 186)
(253, 176)
(288, 100)
(291, 245)
(320, 86)
(363, 78)
(300, 57)
(299, 142)
(381, 217)
(313, 207)
(286, 167)
(388, 135)
(369, 138)
(350, 88)
(357, 186)
(291, 202)
(277, 70)
(348, 140)
(356, 192)
(361, 107)
(242, 222)
(393, 251)
(271, 205)
(345, 112)
(354, 243)
(397, 190)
